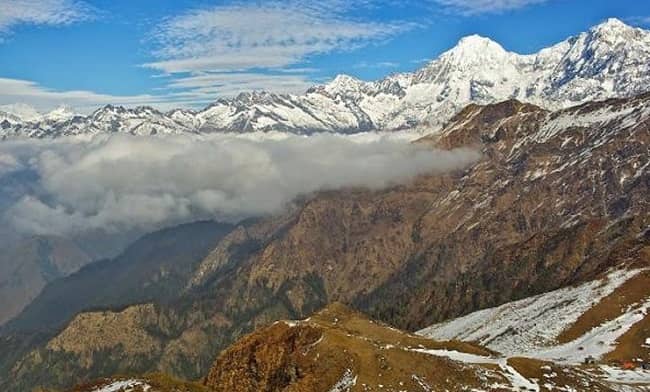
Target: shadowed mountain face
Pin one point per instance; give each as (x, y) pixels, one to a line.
(557, 199)
(29, 264)
(154, 268)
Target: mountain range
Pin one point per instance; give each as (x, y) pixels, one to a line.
(558, 199)
(526, 270)
(610, 60)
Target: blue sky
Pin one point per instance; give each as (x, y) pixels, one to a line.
(190, 52)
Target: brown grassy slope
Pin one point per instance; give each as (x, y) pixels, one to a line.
(314, 355)
(553, 377)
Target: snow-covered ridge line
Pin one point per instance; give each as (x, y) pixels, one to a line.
(610, 60)
(529, 327)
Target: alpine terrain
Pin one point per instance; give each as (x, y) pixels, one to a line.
(527, 269)
(559, 198)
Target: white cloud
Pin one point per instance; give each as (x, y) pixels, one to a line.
(196, 90)
(42, 12)
(475, 7)
(269, 35)
(120, 183)
(380, 64)
(214, 52)
(210, 85)
(249, 44)
(44, 99)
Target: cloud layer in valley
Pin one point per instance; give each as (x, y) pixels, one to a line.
(118, 183)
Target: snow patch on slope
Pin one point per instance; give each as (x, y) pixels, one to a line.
(517, 381)
(124, 386)
(347, 381)
(597, 342)
(530, 326)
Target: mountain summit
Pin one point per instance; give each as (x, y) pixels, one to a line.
(609, 60)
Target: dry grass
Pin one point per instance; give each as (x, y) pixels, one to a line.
(554, 377)
(380, 355)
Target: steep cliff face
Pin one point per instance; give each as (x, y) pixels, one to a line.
(557, 199)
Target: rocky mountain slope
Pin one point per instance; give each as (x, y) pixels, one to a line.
(559, 198)
(610, 60)
(149, 383)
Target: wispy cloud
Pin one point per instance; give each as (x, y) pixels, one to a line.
(209, 85)
(42, 12)
(476, 7)
(380, 64)
(43, 99)
(238, 47)
(272, 35)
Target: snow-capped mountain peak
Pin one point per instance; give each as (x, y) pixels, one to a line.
(614, 32)
(60, 114)
(341, 85)
(475, 44)
(472, 53)
(612, 27)
(609, 60)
